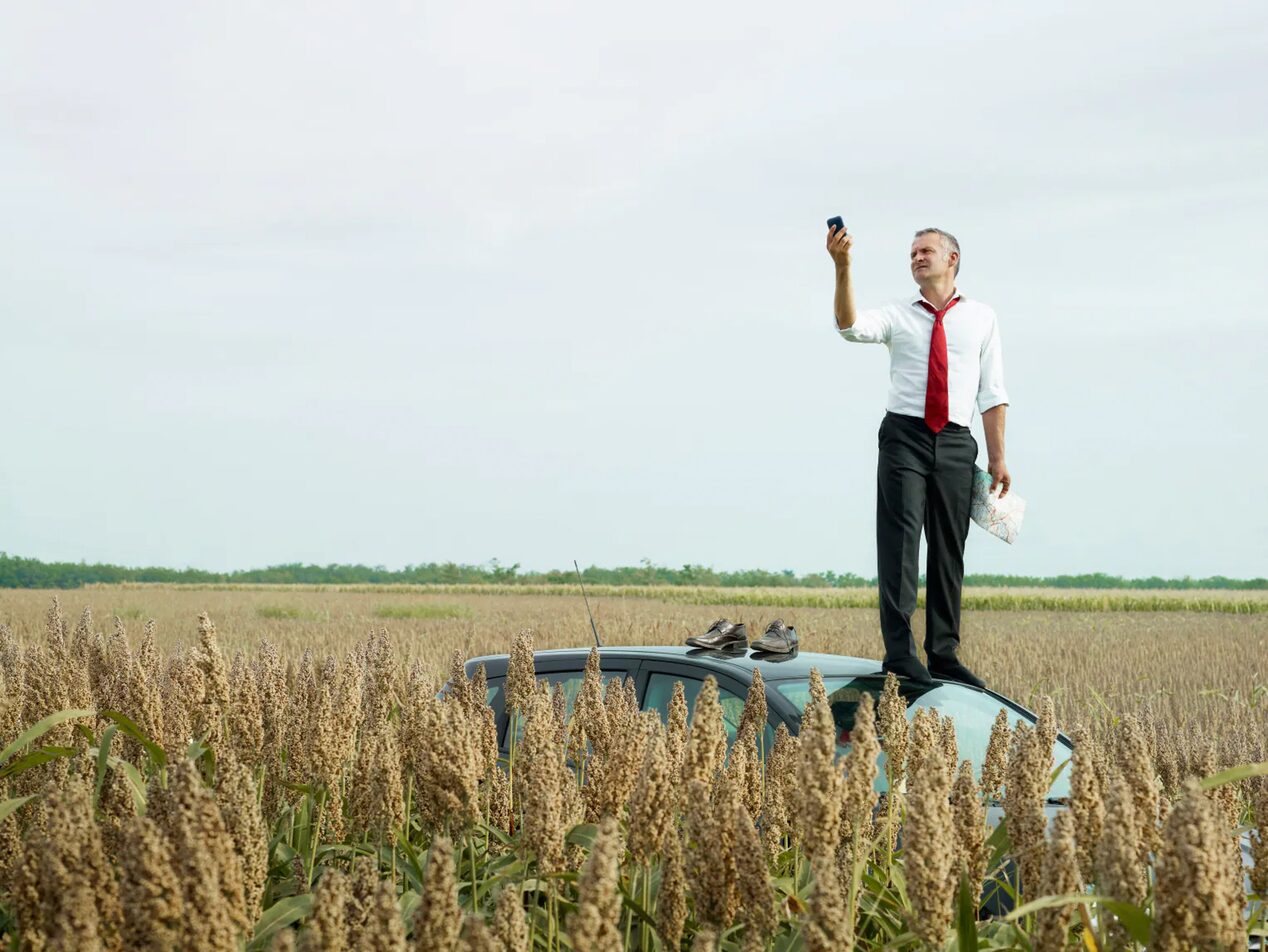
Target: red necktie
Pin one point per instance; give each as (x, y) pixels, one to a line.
(936, 400)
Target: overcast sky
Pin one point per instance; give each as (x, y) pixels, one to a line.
(396, 283)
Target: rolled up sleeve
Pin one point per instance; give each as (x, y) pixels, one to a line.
(871, 326)
(990, 387)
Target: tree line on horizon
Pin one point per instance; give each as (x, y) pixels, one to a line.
(17, 572)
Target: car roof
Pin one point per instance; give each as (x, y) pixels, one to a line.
(773, 667)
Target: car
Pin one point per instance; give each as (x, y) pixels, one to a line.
(655, 669)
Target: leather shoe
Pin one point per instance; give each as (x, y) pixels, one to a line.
(721, 634)
(778, 638)
(909, 668)
(953, 670)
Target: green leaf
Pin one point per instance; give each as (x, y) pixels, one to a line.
(408, 905)
(1135, 920)
(1047, 902)
(1234, 774)
(103, 758)
(966, 924)
(158, 757)
(411, 864)
(583, 835)
(283, 913)
(8, 806)
(39, 729)
(136, 782)
(636, 907)
(41, 755)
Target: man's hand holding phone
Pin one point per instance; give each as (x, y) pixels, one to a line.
(839, 242)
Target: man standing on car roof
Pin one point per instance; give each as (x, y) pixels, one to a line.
(944, 359)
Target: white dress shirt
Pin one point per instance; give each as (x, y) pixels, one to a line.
(975, 366)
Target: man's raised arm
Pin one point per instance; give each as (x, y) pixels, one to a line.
(843, 304)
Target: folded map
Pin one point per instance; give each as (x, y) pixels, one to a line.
(1000, 517)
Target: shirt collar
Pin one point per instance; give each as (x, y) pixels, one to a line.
(918, 297)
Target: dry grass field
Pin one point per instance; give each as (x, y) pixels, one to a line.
(286, 769)
(1203, 675)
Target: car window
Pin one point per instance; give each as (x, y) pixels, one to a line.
(571, 681)
(974, 713)
(495, 697)
(660, 690)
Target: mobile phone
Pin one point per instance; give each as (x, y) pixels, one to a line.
(840, 224)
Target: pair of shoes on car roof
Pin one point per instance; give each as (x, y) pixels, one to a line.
(944, 669)
(777, 639)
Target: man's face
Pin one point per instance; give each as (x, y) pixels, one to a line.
(929, 260)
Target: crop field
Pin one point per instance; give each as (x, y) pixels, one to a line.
(281, 774)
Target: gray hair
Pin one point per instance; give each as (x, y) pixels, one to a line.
(949, 244)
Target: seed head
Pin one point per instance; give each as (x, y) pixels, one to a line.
(1138, 770)
(237, 795)
(1060, 878)
(676, 728)
(64, 870)
(595, 926)
(1198, 895)
(928, 845)
(380, 928)
(1259, 843)
(547, 783)
(757, 897)
(1085, 799)
(377, 791)
(892, 716)
(1119, 874)
(652, 802)
(671, 904)
(754, 714)
(1025, 788)
(711, 859)
(590, 713)
(818, 799)
(521, 678)
(327, 927)
(970, 826)
(245, 715)
(1046, 729)
(781, 789)
(509, 924)
(996, 760)
(476, 937)
(861, 770)
(438, 919)
(206, 862)
(948, 744)
(706, 744)
(270, 683)
(828, 927)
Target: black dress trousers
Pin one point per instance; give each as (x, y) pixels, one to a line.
(924, 480)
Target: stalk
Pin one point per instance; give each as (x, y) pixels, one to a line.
(644, 935)
(629, 918)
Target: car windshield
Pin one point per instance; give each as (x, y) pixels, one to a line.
(974, 713)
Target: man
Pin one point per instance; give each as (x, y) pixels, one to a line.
(944, 359)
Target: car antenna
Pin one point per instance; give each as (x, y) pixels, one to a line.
(597, 642)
